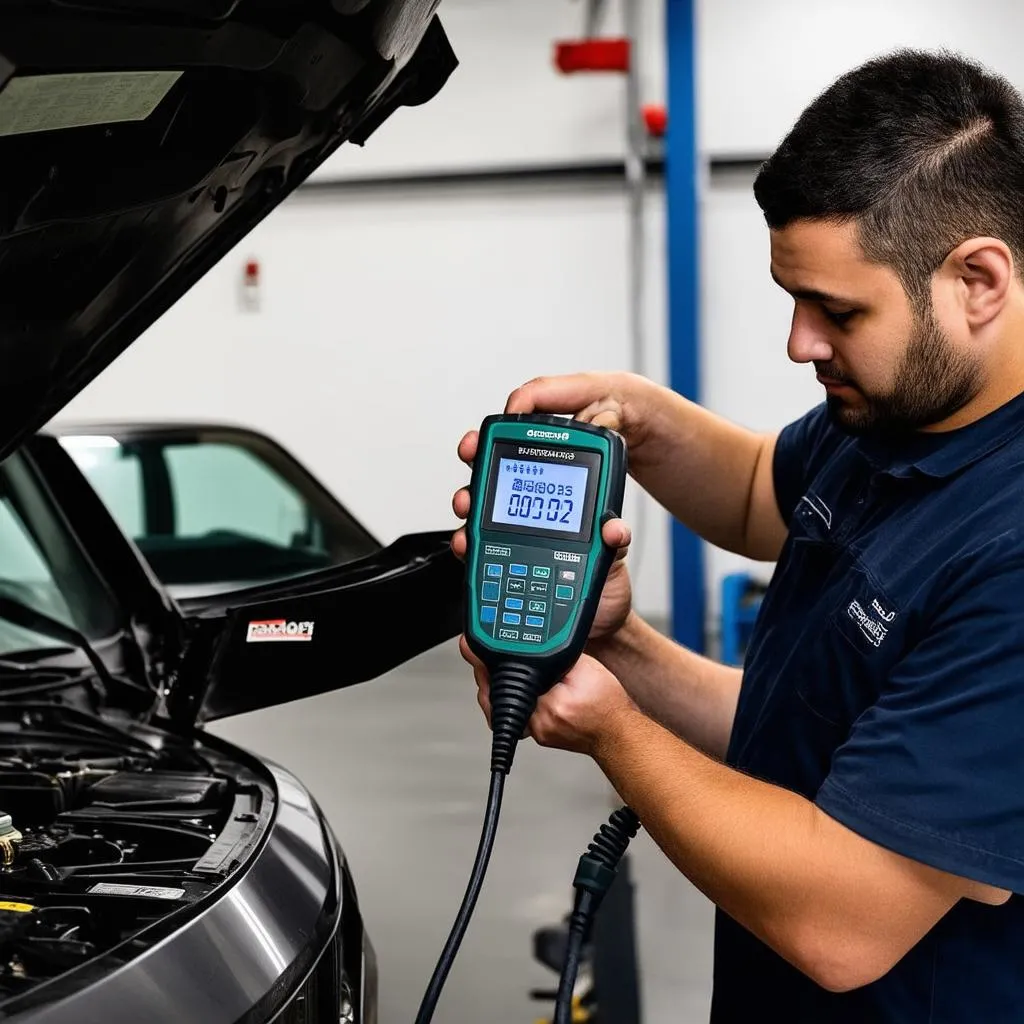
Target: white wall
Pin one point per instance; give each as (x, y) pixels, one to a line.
(762, 61)
(385, 312)
(391, 323)
(507, 105)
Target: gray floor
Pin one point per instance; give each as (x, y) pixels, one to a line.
(399, 766)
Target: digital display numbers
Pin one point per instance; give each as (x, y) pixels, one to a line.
(540, 495)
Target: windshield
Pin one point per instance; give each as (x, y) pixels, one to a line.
(42, 566)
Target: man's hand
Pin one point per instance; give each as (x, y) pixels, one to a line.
(577, 713)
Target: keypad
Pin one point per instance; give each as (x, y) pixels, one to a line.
(527, 595)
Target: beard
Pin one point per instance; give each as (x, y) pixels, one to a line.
(932, 382)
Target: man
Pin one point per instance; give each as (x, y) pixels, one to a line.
(853, 800)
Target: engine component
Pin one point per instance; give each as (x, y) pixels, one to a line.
(9, 836)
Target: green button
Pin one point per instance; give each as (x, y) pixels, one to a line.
(542, 571)
(564, 593)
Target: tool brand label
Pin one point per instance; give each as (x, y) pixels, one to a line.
(567, 556)
(549, 453)
(497, 549)
(549, 435)
(153, 892)
(267, 630)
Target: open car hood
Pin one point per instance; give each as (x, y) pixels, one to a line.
(140, 140)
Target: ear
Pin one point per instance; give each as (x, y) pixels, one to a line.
(983, 271)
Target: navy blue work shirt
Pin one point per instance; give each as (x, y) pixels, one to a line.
(884, 681)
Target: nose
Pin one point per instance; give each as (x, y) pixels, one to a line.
(808, 341)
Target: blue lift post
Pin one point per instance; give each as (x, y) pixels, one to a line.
(681, 203)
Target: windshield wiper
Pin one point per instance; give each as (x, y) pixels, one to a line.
(27, 617)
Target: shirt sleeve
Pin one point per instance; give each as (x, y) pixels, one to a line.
(934, 770)
(801, 450)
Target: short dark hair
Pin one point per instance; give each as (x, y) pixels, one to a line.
(922, 150)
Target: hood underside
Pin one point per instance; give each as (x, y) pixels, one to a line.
(141, 139)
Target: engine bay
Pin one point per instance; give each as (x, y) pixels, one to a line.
(107, 831)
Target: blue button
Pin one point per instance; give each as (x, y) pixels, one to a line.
(514, 603)
(490, 569)
(517, 570)
(488, 613)
(511, 619)
(535, 620)
(490, 591)
(563, 593)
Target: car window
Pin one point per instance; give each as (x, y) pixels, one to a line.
(210, 507)
(221, 487)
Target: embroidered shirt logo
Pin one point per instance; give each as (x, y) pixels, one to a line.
(872, 629)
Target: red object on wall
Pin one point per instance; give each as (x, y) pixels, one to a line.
(655, 120)
(252, 272)
(593, 55)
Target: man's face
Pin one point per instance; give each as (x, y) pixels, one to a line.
(884, 368)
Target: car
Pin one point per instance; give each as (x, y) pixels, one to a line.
(214, 506)
(150, 871)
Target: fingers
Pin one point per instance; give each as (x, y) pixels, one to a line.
(567, 394)
(460, 503)
(483, 689)
(459, 544)
(467, 654)
(461, 500)
(468, 446)
(617, 534)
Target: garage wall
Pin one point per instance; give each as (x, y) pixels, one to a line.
(453, 295)
(761, 63)
(507, 105)
(389, 324)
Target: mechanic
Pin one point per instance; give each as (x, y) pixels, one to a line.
(853, 799)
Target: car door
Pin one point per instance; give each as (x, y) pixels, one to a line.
(281, 601)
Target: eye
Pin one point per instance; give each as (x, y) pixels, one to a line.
(841, 318)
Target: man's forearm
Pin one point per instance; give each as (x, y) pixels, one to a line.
(708, 473)
(819, 895)
(690, 695)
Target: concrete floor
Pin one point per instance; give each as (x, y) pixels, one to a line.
(399, 766)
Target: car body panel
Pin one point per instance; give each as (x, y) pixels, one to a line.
(264, 933)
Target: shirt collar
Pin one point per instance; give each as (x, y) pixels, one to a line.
(945, 454)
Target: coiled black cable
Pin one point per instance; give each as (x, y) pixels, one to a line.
(594, 876)
(515, 689)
